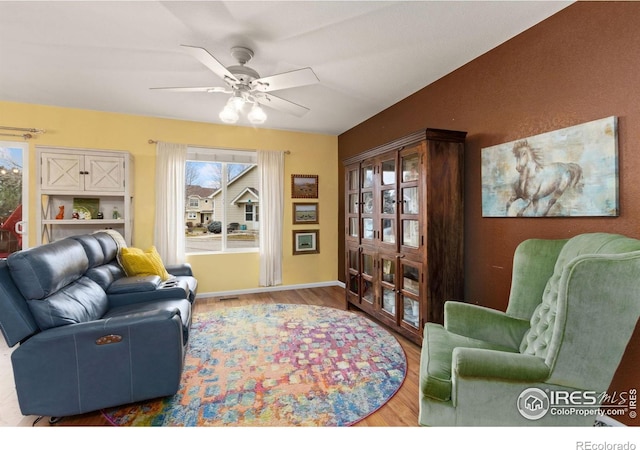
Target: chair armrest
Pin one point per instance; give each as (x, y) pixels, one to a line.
(180, 270)
(494, 364)
(485, 324)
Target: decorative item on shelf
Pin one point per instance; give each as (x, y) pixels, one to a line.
(100, 215)
(87, 207)
(60, 214)
(115, 214)
(75, 215)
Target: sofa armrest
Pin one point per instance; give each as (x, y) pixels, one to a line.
(128, 285)
(106, 326)
(180, 270)
(88, 366)
(494, 364)
(485, 324)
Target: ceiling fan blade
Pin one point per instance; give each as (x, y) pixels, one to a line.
(286, 80)
(281, 104)
(208, 89)
(212, 63)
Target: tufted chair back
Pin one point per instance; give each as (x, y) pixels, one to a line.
(550, 334)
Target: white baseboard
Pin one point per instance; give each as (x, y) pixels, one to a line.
(261, 289)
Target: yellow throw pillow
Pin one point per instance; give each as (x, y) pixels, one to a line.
(148, 262)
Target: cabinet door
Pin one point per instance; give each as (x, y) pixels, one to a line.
(413, 201)
(353, 274)
(104, 173)
(62, 172)
(387, 202)
(411, 290)
(387, 307)
(368, 214)
(352, 203)
(367, 279)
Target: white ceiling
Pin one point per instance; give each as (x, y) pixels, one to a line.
(107, 55)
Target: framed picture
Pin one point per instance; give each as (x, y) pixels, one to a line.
(304, 186)
(305, 213)
(306, 242)
(571, 172)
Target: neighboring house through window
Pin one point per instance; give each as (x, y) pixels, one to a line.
(223, 200)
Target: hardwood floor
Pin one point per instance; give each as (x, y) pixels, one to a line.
(400, 411)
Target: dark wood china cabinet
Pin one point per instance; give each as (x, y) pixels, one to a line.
(404, 229)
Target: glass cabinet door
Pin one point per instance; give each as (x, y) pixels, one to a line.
(352, 203)
(410, 294)
(368, 273)
(411, 213)
(387, 207)
(388, 285)
(353, 269)
(410, 167)
(367, 205)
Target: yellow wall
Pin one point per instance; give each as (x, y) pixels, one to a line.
(310, 154)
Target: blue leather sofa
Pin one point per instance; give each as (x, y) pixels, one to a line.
(89, 336)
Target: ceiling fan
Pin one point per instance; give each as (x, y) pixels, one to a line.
(247, 87)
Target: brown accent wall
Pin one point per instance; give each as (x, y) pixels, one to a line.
(579, 65)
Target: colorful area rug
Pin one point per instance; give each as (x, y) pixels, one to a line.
(278, 365)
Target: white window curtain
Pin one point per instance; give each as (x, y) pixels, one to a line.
(271, 189)
(169, 239)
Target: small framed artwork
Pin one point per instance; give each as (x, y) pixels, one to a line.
(304, 186)
(305, 213)
(306, 242)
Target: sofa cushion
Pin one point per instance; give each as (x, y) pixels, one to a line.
(78, 302)
(41, 271)
(111, 241)
(106, 274)
(92, 248)
(148, 262)
(435, 361)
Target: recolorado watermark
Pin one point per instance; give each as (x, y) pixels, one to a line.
(589, 445)
(534, 404)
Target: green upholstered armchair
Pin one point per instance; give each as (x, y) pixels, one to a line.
(573, 307)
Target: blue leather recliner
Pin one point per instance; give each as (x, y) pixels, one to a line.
(89, 336)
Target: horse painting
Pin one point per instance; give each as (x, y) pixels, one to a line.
(540, 185)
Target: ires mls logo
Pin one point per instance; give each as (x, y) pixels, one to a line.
(534, 403)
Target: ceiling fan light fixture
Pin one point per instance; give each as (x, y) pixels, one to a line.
(257, 115)
(245, 84)
(237, 101)
(229, 114)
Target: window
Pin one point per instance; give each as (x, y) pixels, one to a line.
(228, 180)
(251, 212)
(194, 202)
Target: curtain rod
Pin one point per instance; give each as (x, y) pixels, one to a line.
(23, 136)
(152, 141)
(29, 132)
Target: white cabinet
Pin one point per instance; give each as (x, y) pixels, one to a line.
(89, 181)
(83, 172)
